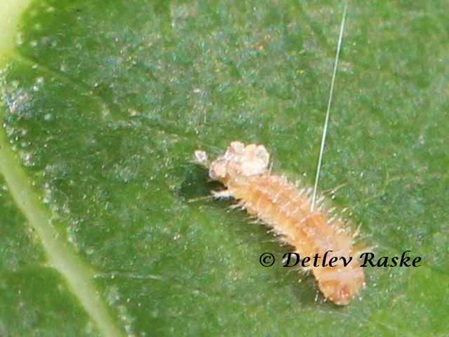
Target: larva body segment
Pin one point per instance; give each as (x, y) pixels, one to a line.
(286, 209)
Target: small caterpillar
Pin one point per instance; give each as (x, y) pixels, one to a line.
(244, 171)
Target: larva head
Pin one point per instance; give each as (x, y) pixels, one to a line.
(240, 161)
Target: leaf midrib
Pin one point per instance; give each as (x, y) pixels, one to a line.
(60, 254)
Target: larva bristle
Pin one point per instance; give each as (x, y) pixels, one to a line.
(320, 200)
(357, 231)
(334, 211)
(287, 211)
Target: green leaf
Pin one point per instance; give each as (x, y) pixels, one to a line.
(104, 227)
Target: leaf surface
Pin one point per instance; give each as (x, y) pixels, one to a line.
(102, 215)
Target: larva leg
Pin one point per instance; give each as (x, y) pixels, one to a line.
(224, 194)
(238, 205)
(200, 198)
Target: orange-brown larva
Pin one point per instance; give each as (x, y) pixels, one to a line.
(244, 170)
